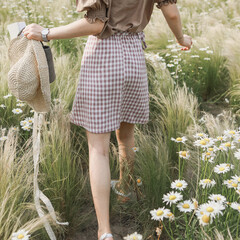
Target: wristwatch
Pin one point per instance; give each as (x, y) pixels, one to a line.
(45, 32)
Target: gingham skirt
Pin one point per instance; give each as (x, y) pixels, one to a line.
(113, 83)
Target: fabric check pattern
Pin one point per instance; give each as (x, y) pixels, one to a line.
(113, 83)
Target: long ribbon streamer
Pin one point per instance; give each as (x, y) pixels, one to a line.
(38, 194)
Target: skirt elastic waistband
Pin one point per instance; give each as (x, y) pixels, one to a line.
(141, 36)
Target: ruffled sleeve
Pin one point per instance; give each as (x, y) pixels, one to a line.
(161, 3)
(96, 9)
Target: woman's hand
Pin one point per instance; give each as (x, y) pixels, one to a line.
(33, 31)
(186, 41)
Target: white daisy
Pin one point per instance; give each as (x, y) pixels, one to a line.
(172, 197)
(17, 110)
(7, 96)
(2, 106)
(230, 133)
(23, 123)
(170, 216)
(3, 138)
(21, 234)
(237, 154)
(30, 120)
(222, 168)
(135, 149)
(226, 146)
(208, 156)
(133, 236)
(179, 139)
(200, 135)
(204, 219)
(184, 154)
(204, 142)
(20, 104)
(179, 184)
(236, 206)
(206, 183)
(212, 149)
(26, 127)
(217, 197)
(221, 138)
(159, 214)
(236, 138)
(15, 128)
(230, 183)
(185, 206)
(236, 178)
(212, 208)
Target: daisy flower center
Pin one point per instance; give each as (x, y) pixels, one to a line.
(205, 219)
(172, 197)
(206, 139)
(238, 207)
(210, 209)
(202, 142)
(20, 236)
(179, 184)
(159, 212)
(210, 149)
(234, 185)
(222, 168)
(229, 181)
(207, 181)
(200, 134)
(231, 132)
(218, 198)
(134, 238)
(220, 138)
(208, 153)
(138, 180)
(184, 153)
(227, 144)
(170, 214)
(239, 179)
(186, 205)
(179, 139)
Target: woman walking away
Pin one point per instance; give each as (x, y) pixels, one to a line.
(112, 92)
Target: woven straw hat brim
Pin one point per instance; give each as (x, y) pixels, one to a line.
(35, 70)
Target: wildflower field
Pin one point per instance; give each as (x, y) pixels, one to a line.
(186, 172)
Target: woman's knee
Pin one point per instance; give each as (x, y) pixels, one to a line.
(98, 142)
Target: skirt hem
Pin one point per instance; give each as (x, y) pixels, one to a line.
(111, 129)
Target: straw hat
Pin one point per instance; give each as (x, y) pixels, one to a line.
(28, 78)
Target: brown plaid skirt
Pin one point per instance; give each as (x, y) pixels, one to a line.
(113, 83)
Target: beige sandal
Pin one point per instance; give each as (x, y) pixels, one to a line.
(105, 235)
(122, 197)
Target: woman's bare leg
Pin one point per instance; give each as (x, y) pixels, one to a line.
(125, 138)
(99, 170)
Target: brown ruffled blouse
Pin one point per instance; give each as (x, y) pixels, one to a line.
(119, 15)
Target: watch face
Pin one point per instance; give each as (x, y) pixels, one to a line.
(44, 31)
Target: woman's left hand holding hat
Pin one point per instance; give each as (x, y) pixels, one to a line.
(33, 31)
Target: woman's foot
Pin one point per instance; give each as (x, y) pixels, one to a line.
(101, 233)
(125, 191)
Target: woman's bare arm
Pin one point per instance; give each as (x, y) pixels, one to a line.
(78, 28)
(173, 19)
